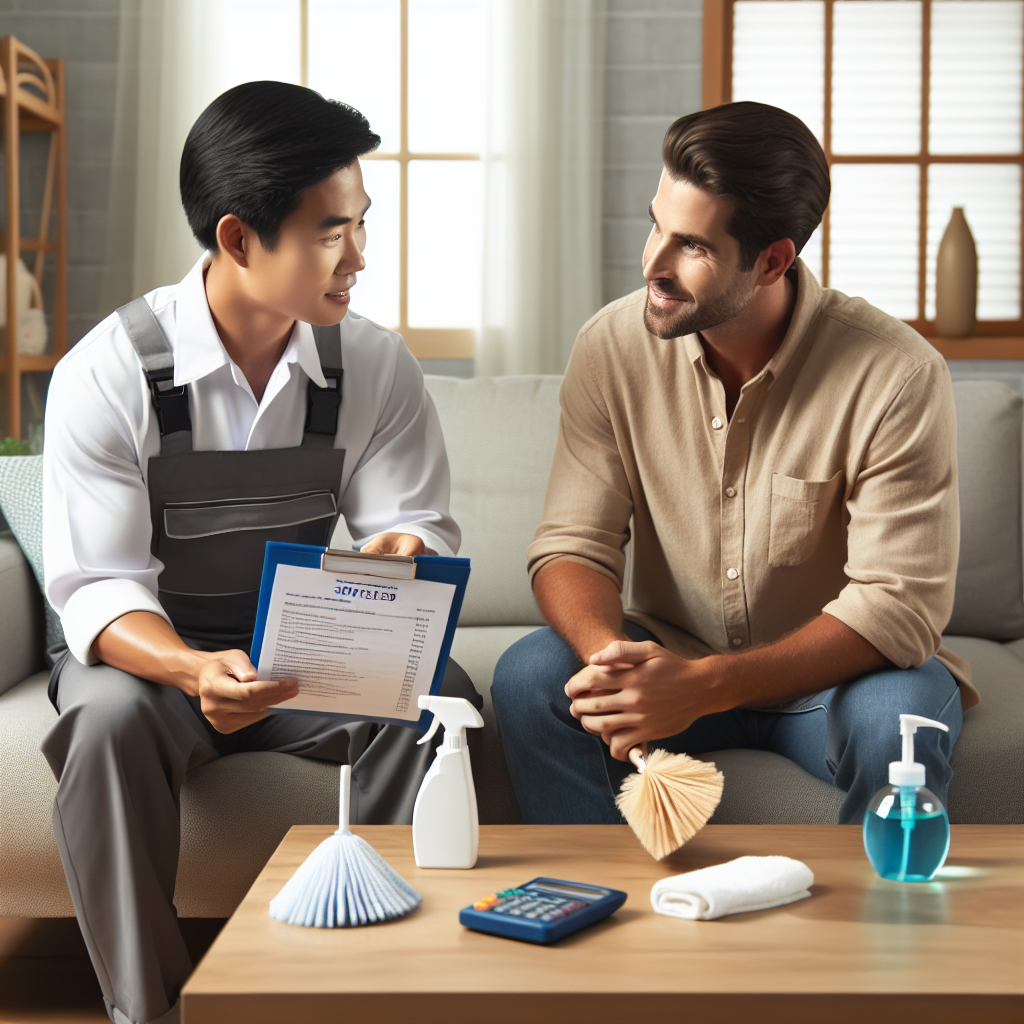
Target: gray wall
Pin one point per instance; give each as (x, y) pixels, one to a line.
(653, 76)
(85, 34)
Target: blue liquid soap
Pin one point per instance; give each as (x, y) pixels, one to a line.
(906, 829)
(906, 833)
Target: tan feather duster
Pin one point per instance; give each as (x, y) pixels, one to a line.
(669, 799)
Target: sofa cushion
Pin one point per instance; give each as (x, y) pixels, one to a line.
(762, 788)
(21, 499)
(31, 877)
(234, 813)
(21, 616)
(989, 598)
(500, 433)
(477, 649)
(988, 760)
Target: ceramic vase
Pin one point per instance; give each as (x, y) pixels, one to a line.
(956, 279)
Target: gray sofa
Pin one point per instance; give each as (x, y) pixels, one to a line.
(500, 433)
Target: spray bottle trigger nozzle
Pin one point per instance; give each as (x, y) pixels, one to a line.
(430, 732)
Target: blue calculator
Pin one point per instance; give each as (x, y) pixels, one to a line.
(543, 911)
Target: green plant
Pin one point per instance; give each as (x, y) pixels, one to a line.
(12, 446)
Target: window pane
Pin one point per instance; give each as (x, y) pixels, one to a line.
(354, 55)
(990, 196)
(976, 76)
(264, 38)
(446, 95)
(778, 56)
(376, 294)
(445, 239)
(874, 234)
(876, 77)
(811, 253)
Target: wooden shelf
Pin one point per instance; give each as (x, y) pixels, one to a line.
(32, 100)
(31, 364)
(31, 245)
(27, 71)
(980, 348)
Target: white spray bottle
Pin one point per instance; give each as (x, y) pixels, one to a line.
(445, 826)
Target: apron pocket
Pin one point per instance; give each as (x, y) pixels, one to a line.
(800, 511)
(207, 519)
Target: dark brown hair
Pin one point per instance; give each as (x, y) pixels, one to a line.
(762, 157)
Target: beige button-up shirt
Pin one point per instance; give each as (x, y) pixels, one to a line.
(832, 488)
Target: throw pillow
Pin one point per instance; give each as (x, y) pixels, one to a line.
(21, 499)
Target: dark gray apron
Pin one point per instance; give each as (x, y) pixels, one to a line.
(213, 512)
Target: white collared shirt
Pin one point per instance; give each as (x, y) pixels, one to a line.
(101, 431)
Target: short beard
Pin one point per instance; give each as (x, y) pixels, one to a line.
(700, 316)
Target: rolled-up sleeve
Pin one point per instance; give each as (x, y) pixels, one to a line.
(588, 502)
(96, 521)
(904, 524)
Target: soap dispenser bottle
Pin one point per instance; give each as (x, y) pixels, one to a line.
(906, 828)
(445, 825)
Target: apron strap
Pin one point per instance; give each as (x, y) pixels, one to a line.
(170, 403)
(323, 405)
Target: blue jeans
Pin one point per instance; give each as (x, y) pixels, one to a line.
(846, 736)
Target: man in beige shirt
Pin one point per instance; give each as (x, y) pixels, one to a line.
(782, 459)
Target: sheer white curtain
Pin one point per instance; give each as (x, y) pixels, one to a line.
(542, 244)
(542, 247)
(175, 56)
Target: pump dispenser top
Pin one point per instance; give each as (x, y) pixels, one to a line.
(445, 825)
(909, 772)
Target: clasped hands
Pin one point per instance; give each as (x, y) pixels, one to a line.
(630, 693)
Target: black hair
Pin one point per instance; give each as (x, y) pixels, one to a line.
(765, 159)
(257, 147)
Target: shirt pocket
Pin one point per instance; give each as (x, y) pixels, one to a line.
(800, 512)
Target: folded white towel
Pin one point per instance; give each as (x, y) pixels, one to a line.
(739, 886)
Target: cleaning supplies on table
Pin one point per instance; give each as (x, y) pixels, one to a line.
(906, 828)
(736, 887)
(669, 799)
(344, 882)
(445, 824)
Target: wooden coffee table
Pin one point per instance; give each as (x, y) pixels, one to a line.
(861, 949)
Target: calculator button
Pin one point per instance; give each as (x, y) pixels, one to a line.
(515, 912)
(575, 905)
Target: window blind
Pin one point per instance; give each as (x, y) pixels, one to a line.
(779, 57)
(885, 157)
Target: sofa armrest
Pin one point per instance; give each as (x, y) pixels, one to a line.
(21, 616)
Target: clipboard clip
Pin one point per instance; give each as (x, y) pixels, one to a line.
(356, 563)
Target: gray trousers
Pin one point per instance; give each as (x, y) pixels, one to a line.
(121, 749)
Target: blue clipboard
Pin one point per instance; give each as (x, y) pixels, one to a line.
(434, 568)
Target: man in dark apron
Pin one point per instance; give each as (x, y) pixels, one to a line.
(183, 433)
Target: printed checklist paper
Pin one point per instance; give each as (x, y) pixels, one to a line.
(359, 645)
